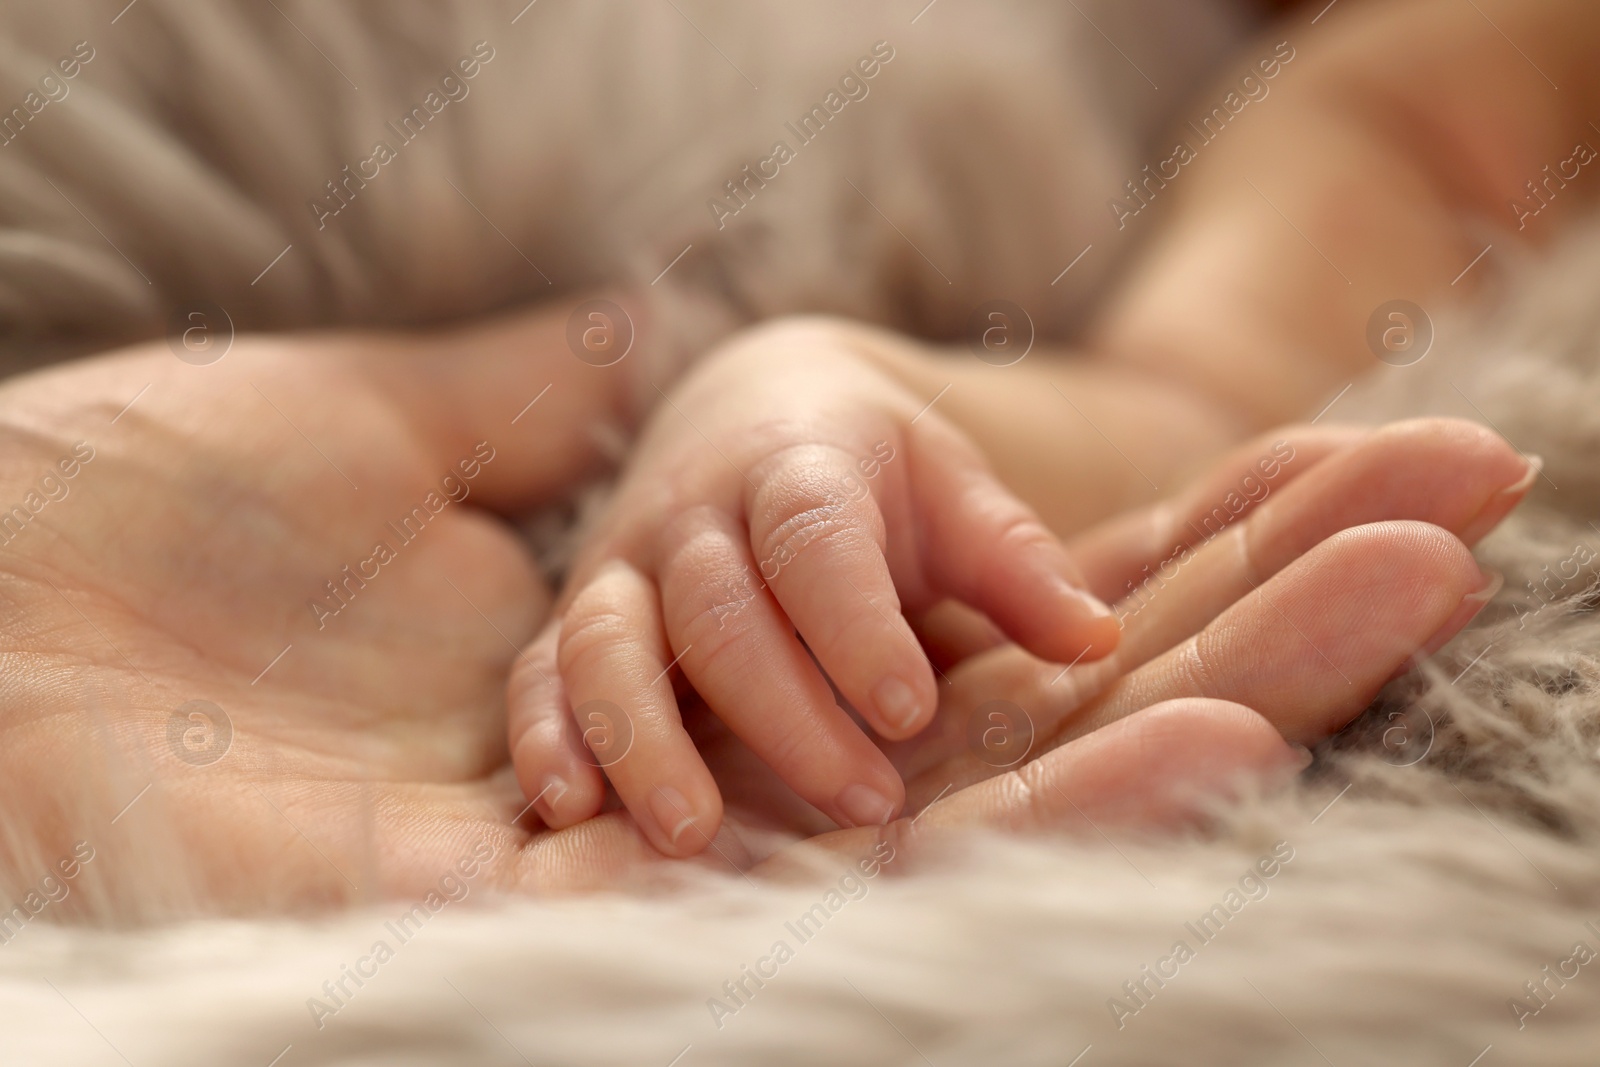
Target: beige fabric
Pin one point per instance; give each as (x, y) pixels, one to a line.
(186, 153)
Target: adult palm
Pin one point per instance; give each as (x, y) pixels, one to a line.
(260, 639)
(258, 653)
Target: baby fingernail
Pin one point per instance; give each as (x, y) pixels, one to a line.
(671, 812)
(554, 789)
(1092, 605)
(864, 806)
(896, 702)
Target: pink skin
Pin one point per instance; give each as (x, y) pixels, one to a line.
(1156, 732)
(1299, 571)
(371, 758)
(1359, 484)
(753, 673)
(1151, 746)
(767, 566)
(1158, 767)
(1291, 514)
(1136, 753)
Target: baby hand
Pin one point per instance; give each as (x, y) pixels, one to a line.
(781, 509)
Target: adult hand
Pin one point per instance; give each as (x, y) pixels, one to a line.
(1269, 620)
(302, 537)
(365, 745)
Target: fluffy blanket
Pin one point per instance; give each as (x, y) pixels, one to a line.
(1428, 893)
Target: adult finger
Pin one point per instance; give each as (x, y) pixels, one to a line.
(1453, 474)
(1117, 555)
(1309, 650)
(1312, 646)
(1159, 768)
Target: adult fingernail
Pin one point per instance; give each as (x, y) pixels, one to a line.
(864, 806)
(1465, 612)
(1302, 756)
(672, 812)
(1492, 581)
(1500, 504)
(896, 702)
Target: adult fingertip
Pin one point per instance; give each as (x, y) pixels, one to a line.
(1196, 751)
(1490, 583)
(1192, 731)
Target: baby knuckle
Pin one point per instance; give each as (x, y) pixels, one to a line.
(712, 632)
(791, 745)
(786, 535)
(591, 635)
(729, 656)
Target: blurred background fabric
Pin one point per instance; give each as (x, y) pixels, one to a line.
(183, 163)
